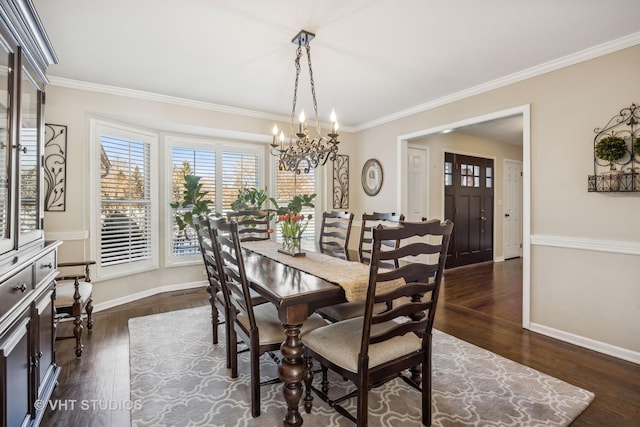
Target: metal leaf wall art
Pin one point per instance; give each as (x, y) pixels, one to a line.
(55, 167)
(341, 182)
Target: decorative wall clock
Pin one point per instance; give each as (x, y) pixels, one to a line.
(372, 177)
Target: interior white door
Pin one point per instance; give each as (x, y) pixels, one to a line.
(417, 184)
(512, 209)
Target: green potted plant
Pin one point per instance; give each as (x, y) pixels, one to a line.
(636, 146)
(611, 149)
(250, 199)
(193, 203)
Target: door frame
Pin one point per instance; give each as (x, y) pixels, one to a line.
(525, 111)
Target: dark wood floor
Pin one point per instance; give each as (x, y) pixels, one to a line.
(480, 304)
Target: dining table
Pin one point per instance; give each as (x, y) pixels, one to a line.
(298, 286)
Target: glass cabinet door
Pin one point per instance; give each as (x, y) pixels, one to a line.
(6, 79)
(29, 159)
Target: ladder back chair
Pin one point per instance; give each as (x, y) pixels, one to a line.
(369, 221)
(259, 326)
(349, 310)
(74, 294)
(216, 299)
(334, 233)
(252, 224)
(376, 348)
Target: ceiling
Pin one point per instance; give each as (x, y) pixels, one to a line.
(372, 59)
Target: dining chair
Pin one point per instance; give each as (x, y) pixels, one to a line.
(206, 238)
(252, 224)
(376, 348)
(216, 299)
(349, 310)
(369, 221)
(74, 294)
(258, 326)
(334, 233)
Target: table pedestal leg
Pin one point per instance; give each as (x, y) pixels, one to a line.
(292, 371)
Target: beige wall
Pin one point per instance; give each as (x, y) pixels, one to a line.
(588, 296)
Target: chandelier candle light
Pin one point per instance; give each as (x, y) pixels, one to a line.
(302, 153)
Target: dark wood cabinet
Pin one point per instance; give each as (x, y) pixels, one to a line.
(15, 370)
(28, 264)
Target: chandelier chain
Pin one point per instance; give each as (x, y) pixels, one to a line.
(313, 86)
(295, 88)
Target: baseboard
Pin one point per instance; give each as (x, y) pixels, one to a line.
(148, 293)
(600, 347)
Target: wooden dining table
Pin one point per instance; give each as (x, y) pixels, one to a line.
(296, 295)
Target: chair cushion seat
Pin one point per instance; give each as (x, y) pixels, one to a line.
(65, 291)
(340, 343)
(270, 327)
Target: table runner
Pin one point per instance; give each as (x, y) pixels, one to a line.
(353, 277)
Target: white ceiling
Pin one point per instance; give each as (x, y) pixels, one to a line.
(371, 58)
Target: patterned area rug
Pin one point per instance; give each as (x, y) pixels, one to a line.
(178, 378)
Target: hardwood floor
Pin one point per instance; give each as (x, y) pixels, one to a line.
(480, 304)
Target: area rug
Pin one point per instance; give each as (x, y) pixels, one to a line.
(179, 378)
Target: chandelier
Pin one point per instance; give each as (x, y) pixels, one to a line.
(301, 152)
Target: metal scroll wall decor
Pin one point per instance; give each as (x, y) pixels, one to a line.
(55, 167)
(341, 182)
(616, 160)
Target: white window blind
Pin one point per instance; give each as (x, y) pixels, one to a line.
(125, 201)
(198, 162)
(239, 170)
(290, 184)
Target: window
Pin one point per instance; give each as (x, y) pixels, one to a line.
(239, 170)
(448, 174)
(190, 161)
(224, 169)
(289, 184)
(126, 206)
(469, 175)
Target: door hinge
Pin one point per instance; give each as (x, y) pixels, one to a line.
(521, 173)
(520, 245)
(41, 223)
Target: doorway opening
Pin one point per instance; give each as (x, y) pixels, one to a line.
(436, 196)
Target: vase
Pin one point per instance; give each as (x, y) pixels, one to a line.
(291, 246)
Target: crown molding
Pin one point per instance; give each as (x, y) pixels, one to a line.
(556, 64)
(174, 100)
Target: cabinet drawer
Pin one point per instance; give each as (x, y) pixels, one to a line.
(45, 265)
(11, 291)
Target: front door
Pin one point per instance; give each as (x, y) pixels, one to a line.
(468, 194)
